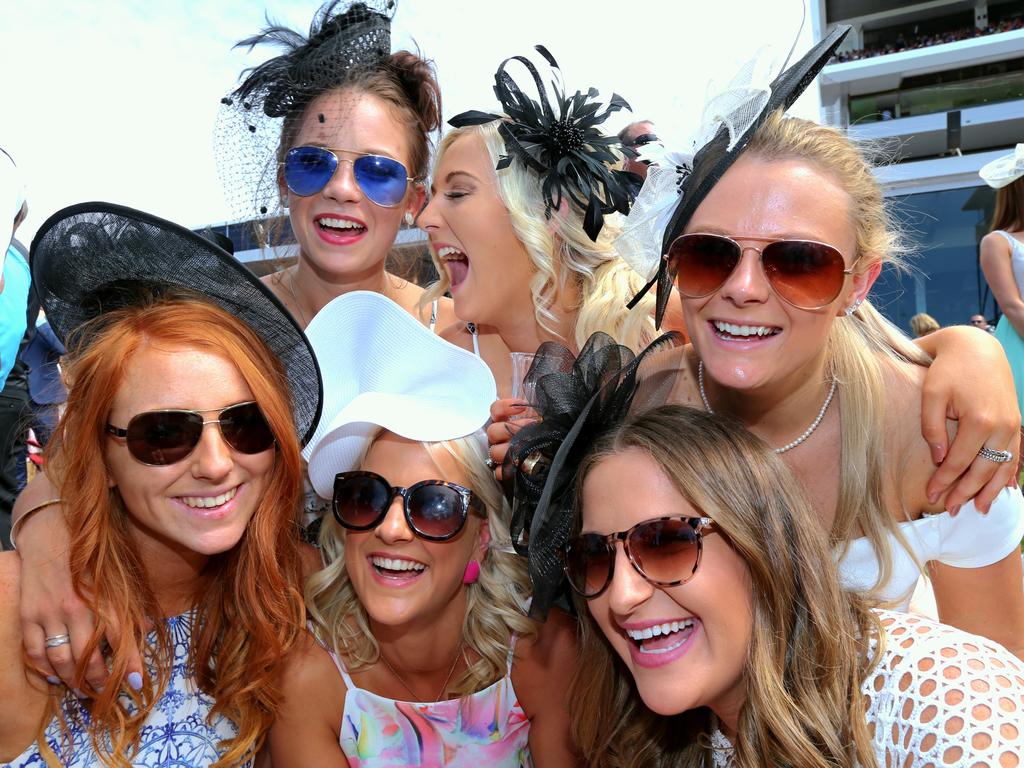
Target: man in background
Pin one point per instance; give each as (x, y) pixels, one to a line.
(979, 321)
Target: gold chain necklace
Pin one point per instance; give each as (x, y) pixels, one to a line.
(444, 685)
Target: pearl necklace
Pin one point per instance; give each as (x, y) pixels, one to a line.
(788, 446)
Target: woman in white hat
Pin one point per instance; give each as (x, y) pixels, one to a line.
(420, 651)
(1002, 257)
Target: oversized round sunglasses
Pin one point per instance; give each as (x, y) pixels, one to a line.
(434, 510)
(665, 551)
(165, 437)
(804, 273)
(383, 180)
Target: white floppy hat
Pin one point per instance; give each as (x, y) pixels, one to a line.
(382, 368)
(1004, 170)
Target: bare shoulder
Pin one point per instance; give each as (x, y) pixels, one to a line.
(906, 450)
(309, 671)
(457, 334)
(446, 313)
(554, 645)
(995, 242)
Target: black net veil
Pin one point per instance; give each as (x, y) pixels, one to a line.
(94, 258)
(579, 398)
(344, 38)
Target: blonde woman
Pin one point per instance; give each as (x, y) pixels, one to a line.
(715, 631)
(1002, 256)
(518, 244)
(420, 652)
(922, 324)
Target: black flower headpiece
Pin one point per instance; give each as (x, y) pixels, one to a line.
(562, 145)
(578, 398)
(344, 38)
(713, 159)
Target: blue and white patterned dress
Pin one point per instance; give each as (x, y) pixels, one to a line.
(176, 733)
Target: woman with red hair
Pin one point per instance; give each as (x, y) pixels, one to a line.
(179, 477)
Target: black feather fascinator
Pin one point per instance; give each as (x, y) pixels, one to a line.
(344, 38)
(578, 398)
(560, 142)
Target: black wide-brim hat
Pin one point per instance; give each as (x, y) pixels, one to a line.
(716, 157)
(93, 258)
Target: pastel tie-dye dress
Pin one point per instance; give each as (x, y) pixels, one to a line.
(487, 728)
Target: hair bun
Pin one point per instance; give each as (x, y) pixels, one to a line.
(419, 81)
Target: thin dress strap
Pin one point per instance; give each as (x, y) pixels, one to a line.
(433, 315)
(334, 657)
(471, 327)
(511, 653)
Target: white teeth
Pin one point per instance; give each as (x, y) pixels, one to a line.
(340, 223)
(744, 330)
(661, 629)
(391, 564)
(454, 253)
(204, 502)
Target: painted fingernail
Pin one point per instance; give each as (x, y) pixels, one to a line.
(954, 510)
(135, 681)
(933, 497)
(938, 453)
(52, 680)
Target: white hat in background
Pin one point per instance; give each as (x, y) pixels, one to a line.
(1004, 170)
(383, 369)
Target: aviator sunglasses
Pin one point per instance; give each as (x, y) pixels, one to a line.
(665, 551)
(434, 510)
(158, 438)
(382, 179)
(803, 273)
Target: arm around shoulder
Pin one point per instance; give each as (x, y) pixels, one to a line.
(541, 674)
(305, 731)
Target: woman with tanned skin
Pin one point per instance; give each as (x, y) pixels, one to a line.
(813, 370)
(420, 652)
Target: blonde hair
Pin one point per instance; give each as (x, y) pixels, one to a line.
(562, 254)
(808, 651)
(864, 348)
(922, 324)
(494, 611)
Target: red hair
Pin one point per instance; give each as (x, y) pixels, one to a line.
(248, 612)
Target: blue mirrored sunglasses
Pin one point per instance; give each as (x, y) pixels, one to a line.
(382, 179)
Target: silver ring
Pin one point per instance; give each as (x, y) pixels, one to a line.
(999, 457)
(491, 463)
(56, 640)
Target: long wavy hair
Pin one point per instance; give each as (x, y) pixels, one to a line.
(248, 610)
(1009, 211)
(496, 601)
(865, 349)
(562, 255)
(808, 650)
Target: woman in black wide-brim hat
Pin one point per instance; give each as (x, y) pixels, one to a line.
(177, 477)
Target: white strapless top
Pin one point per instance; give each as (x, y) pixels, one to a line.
(969, 540)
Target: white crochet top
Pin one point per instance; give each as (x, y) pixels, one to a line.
(938, 698)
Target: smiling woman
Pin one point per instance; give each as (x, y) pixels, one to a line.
(178, 471)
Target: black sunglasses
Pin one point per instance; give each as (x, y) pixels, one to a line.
(158, 438)
(434, 510)
(666, 551)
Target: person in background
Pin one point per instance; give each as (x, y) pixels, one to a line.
(979, 321)
(922, 324)
(46, 391)
(1002, 256)
(18, 309)
(636, 135)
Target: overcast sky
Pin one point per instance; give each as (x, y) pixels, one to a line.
(116, 100)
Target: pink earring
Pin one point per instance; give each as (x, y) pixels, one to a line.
(472, 572)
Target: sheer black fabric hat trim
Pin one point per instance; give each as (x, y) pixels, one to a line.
(562, 143)
(578, 398)
(715, 158)
(94, 258)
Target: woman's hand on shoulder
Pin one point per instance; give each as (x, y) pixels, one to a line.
(308, 721)
(969, 382)
(49, 604)
(542, 671)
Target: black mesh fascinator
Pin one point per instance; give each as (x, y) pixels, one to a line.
(344, 38)
(561, 144)
(95, 258)
(713, 159)
(578, 397)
